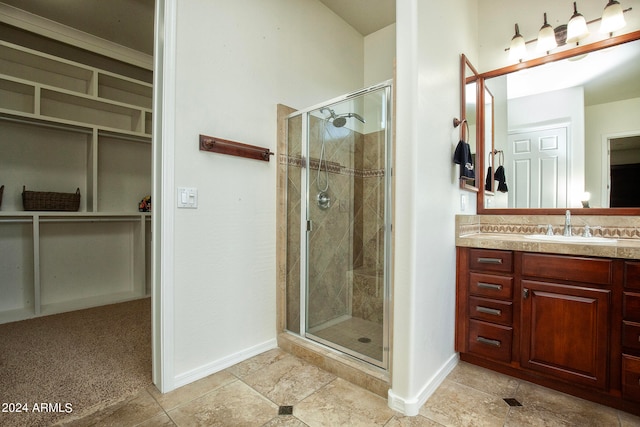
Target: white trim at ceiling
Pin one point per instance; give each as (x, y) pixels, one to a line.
(62, 33)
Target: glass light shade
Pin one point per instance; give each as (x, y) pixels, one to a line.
(546, 37)
(518, 48)
(577, 27)
(612, 17)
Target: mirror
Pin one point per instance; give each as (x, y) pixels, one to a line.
(468, 118)
(566, 126)
(494, 159)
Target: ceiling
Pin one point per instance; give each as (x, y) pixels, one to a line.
(125, 22)
(130, 22)
(366, 16)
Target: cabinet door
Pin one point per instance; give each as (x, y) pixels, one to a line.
(565, 331)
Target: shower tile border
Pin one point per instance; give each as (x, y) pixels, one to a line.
(333, 167)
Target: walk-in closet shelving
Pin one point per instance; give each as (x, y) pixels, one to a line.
(66, 125)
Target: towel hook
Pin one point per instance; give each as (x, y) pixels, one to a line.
(457, 122)
(500, 155)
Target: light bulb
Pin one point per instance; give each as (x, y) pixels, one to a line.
(612, 17)
(546, 37)
(577, 27)
(518, 49)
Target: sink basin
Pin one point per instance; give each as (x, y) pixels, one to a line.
(572, 239)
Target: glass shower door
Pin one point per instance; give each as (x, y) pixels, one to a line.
(348, 224)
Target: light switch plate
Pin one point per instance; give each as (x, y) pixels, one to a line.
(187, 197)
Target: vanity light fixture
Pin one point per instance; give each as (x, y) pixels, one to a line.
(612, 18)
(577, 27)
(546, 37)
(517, 50)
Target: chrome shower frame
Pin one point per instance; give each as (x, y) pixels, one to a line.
(306, 224)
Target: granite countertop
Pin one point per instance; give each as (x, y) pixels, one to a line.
(621, 248)
(508, 232)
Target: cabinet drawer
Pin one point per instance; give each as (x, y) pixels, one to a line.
(632, 274)
(578, 269)
(489, 340)
(631, 377)
(631, 335)
(631, 307)
(491, 310)
(490, 260)
(488, 285)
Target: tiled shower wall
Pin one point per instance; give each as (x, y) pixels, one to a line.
(347, 242)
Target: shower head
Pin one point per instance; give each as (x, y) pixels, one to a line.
(339, 121)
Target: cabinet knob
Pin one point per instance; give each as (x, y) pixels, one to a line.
(525, 293)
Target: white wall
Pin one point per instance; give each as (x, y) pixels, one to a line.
(379, 55)
(606, 121)
(427, 194)
(235, 60)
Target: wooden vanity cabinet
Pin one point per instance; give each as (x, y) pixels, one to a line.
(567, 322)
(631, 332)
(486, 304)
(566, 305)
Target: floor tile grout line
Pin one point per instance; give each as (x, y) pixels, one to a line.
(303, 363)
(299, 401)
(166, 412)
(199, 396)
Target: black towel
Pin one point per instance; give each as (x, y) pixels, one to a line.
(487, 182)
(500, 176)
(462, 156)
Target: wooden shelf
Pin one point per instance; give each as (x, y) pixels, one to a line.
(125, 90)
(41, 68)
(90, 111)
(17, 96)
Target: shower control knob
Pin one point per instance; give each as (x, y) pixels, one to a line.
(324, 201)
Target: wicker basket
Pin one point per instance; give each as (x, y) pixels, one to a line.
(49, 201)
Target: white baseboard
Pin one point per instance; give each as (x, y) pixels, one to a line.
(218, 365)
(411, 407)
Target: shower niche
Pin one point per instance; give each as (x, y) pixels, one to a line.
(338, 223)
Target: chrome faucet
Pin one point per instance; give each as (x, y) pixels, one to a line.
(567, 223)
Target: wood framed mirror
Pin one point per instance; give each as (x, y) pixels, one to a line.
(467, 123)
(558, 147)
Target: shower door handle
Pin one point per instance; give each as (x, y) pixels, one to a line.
(309, 225)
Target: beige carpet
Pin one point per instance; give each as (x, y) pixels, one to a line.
(87, 358)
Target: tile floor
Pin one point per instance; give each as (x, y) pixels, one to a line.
(252, 393)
